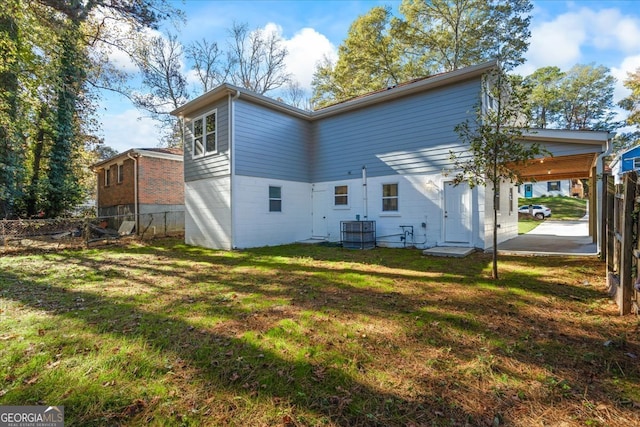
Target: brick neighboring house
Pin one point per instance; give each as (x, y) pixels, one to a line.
(139, 182)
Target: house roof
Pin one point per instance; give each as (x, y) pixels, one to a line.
(384, 95)
(160, 153)
(564, 166)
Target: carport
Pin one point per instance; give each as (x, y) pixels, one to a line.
(573, 154)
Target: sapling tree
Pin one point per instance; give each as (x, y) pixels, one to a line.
(494, 148)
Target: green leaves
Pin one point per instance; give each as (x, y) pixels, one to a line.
(428, 37)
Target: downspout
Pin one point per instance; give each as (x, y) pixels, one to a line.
(135, 190)
(97, 172)
(600, 190)
(364, 193)
(231, 134)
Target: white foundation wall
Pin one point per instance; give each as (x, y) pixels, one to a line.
(254, 225)
(420, 201)
(507, 214)
(208, 213)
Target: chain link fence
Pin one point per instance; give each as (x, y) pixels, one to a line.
(64, 233)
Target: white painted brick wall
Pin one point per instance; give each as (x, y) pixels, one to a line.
(255, 226)
(208, 214)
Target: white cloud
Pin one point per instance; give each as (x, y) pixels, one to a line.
(628, 65)
(580, 35)
(128, 129)
(306, 48)
(556, 42)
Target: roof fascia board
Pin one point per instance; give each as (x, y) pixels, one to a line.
(400, 91)
(119, 158)
(569, 136)
(158, 155)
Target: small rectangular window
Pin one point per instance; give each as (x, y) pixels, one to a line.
(553, 186)
(275, 199)
(389, 197)
(341, 195)
(120, 173)
(107, 177)
(636, 163)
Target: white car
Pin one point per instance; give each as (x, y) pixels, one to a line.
(538, 211)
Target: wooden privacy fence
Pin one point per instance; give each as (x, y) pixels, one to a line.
(621, 249)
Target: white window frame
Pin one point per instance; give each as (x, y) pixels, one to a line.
(336, 195)
(120, 170)
(397, 197)
(275, 198)
(636, 163)
(205, 137)
(107, 178)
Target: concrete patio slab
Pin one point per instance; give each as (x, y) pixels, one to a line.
(553, 238)
(449, 251)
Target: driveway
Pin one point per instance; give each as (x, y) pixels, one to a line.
(552, 238)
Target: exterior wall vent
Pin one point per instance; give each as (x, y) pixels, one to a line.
(358, 234)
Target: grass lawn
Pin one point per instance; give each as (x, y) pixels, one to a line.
(569, 208)
(165, 334)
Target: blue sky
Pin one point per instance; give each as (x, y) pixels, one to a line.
(564, 33)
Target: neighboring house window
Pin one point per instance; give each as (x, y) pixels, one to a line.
(553, 186)
(205, 135)
(341, 195)
(389, 197)
(120, 173)
(275, 199)
(107, 177)
(636, 163)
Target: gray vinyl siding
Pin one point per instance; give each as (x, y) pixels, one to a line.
(271, 144)
(214, 165)
(404, 136)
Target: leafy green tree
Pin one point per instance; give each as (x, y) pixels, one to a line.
(586, 98)
(632, 102)
(63, 189)
(428, 37)
(11, 161)
(544, 96)
(444, 35)
(494, 149)
(368, 60)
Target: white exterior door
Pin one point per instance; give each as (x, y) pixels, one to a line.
(319, 212)
(457, 213)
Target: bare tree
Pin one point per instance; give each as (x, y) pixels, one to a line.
(209, 63)
(296, 96)
(256, 59)
(160, 62)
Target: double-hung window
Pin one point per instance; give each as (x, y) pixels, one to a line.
(107, 177)
(389, 197)
(205, 135)
(275, 199)
(341, 196)
(120, 173)
(636, 163)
